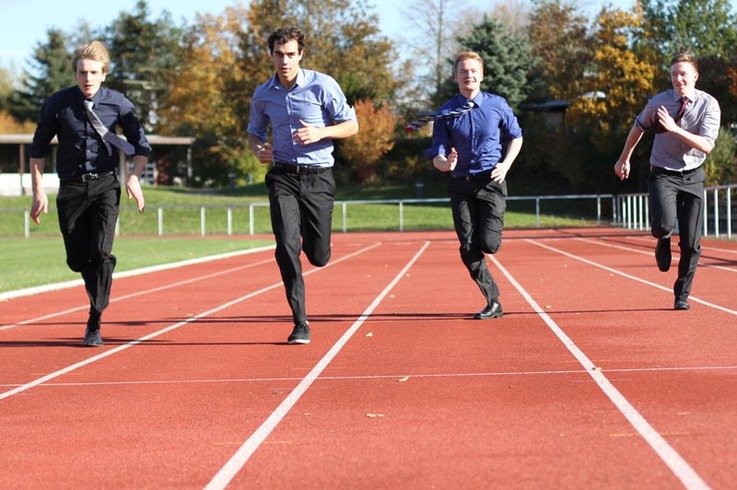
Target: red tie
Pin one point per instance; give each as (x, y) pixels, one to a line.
(684, 104)
(676, 118)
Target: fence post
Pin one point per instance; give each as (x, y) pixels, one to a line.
(251, 225)
(537, 211)
(345, 216)
(160, 217)
(229, 214)
(716, 212)
(729, 213)
(401, 215)
(26, 223)
(203, 221)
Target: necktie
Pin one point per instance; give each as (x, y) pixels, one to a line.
(415, 125)
(107, 137)
(684, 104)
(677, 117)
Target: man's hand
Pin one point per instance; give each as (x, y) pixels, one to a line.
(39, 205)
(446, 164)
(499, 173)
(665, 120)
(307, 134)
(265, 153)
(133, 188)
(622, 169)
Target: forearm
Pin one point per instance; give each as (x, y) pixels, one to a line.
(37, 169)
(255, 143)
(512, 151)
(630, 143)
(694, 140)
(139, 166)
(340, 130)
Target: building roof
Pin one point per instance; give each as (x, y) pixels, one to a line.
(27, 139)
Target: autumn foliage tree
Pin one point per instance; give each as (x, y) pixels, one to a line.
(375, 138)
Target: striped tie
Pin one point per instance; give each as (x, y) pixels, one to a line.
(107, 137)
(415, 125)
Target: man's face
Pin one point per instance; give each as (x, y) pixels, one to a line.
(468, 75)
(90, 76)
(683, 75)
(286, 59)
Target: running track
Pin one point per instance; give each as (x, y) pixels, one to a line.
(590, 380)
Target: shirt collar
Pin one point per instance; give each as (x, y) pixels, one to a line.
(300, 80)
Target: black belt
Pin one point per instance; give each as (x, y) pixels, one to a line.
(88, 177)
(479, 177)
(300, 169)
(675, 173)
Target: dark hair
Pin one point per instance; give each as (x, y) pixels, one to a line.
(284, 35)
(684, 56)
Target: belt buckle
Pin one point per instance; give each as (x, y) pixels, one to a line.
(89, 177)
(301, 169)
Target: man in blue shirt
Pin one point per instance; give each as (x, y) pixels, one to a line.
(306, 111)
(686, 125)
(471, 147)
(87, 161)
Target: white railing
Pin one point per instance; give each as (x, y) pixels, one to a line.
(629, 211)
(632, 211)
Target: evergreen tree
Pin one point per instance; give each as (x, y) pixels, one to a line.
(143, 53)
(52, 71)
(507, 61)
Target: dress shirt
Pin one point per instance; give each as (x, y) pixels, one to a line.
(80, 148)
(702, 117)
(477, 135)
(316, 99)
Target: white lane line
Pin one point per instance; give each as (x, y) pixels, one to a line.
(138, 293)
(603, 243)
(143, 270)
(693, 299)
(554, 372)
(244, 453)
(679, 466)
(170, 328)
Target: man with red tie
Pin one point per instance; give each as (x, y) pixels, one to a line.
(686, 125)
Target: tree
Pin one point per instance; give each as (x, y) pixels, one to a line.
(619, 84)
(706, 27)
(507, 61)
(373, 140)
(51, 71)
(143, 52)
(209, 93)
(559, 43)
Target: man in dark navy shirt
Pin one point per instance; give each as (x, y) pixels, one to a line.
(470, 147)
(87, 162)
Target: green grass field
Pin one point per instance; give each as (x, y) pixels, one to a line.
(39, 259)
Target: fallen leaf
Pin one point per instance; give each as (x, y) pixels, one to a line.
(403, 380)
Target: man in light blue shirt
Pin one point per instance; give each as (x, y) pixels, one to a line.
(686, 125)
(306, 110)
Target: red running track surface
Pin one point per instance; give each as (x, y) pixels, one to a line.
(590, 380)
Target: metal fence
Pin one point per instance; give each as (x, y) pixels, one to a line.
(632, 211)
(629, 211)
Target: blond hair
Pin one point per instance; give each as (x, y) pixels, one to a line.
(466, 55)
(95, 51)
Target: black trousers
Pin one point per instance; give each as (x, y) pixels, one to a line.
(679, 198)
(478, 216)
(88, 212)
(301, 218)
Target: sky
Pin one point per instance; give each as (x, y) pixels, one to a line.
(24, 23)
